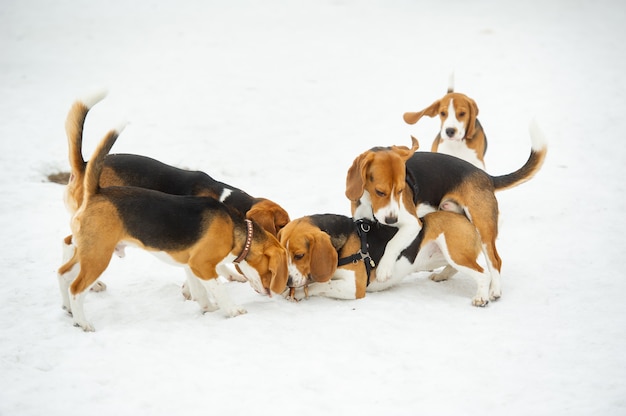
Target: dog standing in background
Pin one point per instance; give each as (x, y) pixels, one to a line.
(461, 134)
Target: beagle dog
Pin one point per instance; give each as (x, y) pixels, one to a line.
(461, 133)
(317, 244)
(199, 233)
(144, 172)
(396, 186)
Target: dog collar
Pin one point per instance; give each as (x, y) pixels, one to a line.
(248, 243)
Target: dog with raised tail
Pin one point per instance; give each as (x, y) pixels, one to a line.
(145, 172)
(397, 185)
(199, 233)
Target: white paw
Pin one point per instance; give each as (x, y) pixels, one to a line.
(98, 287)
(209, 307)
(495, 292)
(480, 301)
(384, 271)
(438, 277)
(236, 311)
(86, 326)
(185, 291)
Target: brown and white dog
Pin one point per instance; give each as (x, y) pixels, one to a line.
(199, 233)
(144, 172)
(316, 245)
(396, 185)
(461, 133)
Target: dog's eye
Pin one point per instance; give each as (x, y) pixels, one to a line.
(442, 114)
(298, 256)
(462, 114)
(380, 193)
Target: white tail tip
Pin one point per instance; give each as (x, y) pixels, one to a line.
(451, 82)
(121, 126)
(537, 137)
(93, 98)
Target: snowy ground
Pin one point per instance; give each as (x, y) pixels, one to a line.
(278, 98)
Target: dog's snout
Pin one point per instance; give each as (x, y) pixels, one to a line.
(290, 282)
(391, 220)
(450, 131)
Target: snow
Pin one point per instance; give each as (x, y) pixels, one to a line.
(278, 98)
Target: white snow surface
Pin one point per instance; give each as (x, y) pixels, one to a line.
(278, 98)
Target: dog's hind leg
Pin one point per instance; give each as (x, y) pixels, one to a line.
(68, 251)
(92, 265)
(67, 273)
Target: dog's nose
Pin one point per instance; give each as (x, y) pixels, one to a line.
(391, 220)
(450, 131)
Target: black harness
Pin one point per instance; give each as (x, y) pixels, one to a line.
(363, 226)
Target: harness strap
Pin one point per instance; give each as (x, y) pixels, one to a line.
(363, 227)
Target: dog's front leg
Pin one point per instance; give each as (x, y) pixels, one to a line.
(222, 298)
(403, 238)
(197, 292)
(66, 279)
(341, 286)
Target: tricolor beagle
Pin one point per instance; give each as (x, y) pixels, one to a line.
(396, 185)
(144, 172)
(200, 233)
(461, 133)
(317, 244)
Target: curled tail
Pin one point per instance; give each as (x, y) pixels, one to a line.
(531, 167)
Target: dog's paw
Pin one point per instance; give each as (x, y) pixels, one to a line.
(383, 271)
(232, 277)
(236, 311)
(184, 290)
(209, 307)
(495, 295)
(480, 301)
(438, 277)
(295, 295)
(495, 292)
(98, 287)
(86, 326)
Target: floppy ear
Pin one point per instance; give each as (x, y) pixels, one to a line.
(355, 181)
(430, 111)
(471, 128)
(323, 257)
(269, 215)
(278, 268)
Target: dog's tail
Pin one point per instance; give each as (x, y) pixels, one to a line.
(537, 156)
(451, 82)
(74, 124)
(95, 164)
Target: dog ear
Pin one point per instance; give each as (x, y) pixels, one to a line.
(278, 267)
(430, 111)
(323, 257)
(471, 128)
(269, 215)
(355, 181)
